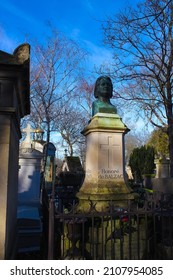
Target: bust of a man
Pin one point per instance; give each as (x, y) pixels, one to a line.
(103, 93)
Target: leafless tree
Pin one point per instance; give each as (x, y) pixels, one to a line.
(56, 69)
(72, 123)
(134, 140)
(142, 42)
(85, 95)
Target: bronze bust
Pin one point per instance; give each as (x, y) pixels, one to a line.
(103, 92)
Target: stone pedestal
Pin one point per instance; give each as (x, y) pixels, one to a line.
(105, 167)
(14, 104)
(162, 168)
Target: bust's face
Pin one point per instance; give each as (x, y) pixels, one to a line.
(104, 88)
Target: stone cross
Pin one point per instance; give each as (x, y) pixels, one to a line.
(28, 130)
(110, 147)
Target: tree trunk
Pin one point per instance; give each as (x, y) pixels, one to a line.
(71, 149)
(170, 135)
(48, 133)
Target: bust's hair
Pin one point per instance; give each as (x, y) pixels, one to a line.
(96, 93)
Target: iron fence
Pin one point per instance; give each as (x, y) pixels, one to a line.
(141, 231)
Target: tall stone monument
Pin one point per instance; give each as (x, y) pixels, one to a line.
(29, 181)
(14, 105)
(29, 171)
(105, 160)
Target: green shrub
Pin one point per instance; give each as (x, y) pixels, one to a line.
(142, 161)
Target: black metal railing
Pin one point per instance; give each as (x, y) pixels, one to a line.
(144, 232)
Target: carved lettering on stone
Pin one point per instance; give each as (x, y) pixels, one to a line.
(109, 174)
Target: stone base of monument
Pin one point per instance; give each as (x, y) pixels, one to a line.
(103, 202)
(105, 164)
(104, 194)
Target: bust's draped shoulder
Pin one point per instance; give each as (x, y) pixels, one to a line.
(99, 106)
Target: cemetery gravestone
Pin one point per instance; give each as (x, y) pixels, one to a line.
(162, 181)
(29, 171)
(104, 188)
(105, 159)
(162, 168)
(49, 163)
(29, 220)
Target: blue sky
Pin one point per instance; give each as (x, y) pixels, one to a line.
(78, 19)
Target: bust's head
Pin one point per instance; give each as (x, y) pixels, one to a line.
(103, 87)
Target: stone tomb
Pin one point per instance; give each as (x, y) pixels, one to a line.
(14, 105)
(105, 166)
(29, 220)
(162, 168)
(29, 171)
(105, 188)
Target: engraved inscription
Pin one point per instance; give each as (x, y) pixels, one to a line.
(110, 174)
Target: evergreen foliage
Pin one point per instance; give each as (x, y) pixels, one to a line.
(142, 161)
(159, 140)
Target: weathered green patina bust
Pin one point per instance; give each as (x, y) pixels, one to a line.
(103, 93)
